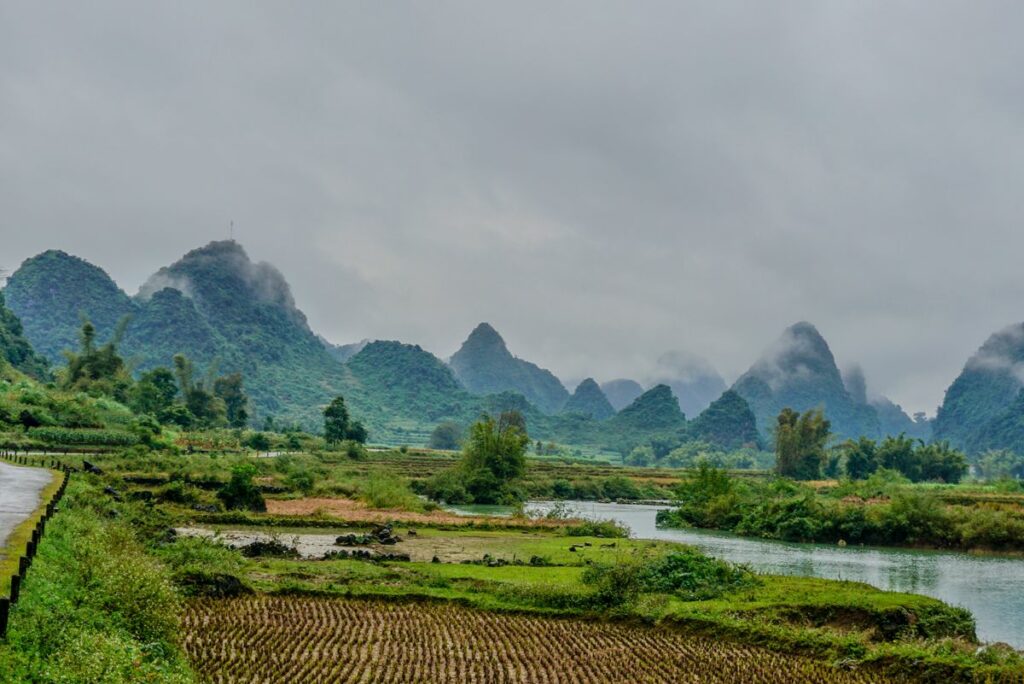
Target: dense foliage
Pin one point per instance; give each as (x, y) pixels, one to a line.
(494, 459)
(96, 606)
(880, 511)
(15, 349)
(800, 441)
(913, 459)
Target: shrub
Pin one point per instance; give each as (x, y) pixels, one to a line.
(240, 493)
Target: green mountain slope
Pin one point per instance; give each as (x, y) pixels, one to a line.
(588, 400)
(15, 349)
(52, 291)
(410, 384)
(656, 410)
(981, 405)
(798, 371)
(728, 422)
(485, 366)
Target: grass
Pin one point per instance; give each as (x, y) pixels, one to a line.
(95, 606)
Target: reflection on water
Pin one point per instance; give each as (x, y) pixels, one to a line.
(992, 588)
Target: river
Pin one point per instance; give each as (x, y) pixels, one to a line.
(991, 587)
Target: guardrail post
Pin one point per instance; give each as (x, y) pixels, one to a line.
(5, 611)
(15, 588)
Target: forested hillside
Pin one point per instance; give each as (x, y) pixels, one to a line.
(983, 409)
(798, 371)
(485, 366)
(15, 349)
(588, 400)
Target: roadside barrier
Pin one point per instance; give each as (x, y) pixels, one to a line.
(25, 561)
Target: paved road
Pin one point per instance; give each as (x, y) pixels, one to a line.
(20, 490)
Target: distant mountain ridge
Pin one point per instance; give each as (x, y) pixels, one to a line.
(588, 400)
(983, 408)
(484, 365)
(226, 312)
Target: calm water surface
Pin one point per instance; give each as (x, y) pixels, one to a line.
(992, 588)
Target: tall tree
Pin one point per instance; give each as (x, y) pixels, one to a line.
(98, 370)
(338, 425)
(800, 441)
(229, 389)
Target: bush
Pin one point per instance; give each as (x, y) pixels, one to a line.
(240, 493)
(610, 529)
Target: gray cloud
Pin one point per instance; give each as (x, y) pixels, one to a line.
(602, 181)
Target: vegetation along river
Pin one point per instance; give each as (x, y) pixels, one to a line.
(991, 587)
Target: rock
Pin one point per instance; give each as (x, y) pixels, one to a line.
(411, 533)
(218, 585)
(113, 493)
(90, 468)
(435, 559)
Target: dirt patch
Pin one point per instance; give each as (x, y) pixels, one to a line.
(356, 511)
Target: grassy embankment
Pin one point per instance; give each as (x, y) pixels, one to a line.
(884, 510)
(96, 606)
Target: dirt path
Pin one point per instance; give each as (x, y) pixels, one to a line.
(20, 491)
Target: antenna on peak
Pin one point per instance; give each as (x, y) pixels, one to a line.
(232, 230)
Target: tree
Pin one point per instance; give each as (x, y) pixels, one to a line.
(939, 461)
(155, 393)
(98, 370)
(240, 492)
(898, 453)
(208, 409)
(861, 459)
(228, 388)
(1001, 465)
(493, 458)
(339, 427)
(446, 436)
(800, 441)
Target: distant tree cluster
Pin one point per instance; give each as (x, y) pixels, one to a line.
(802, 453)
(914, 459)
(493, 460)
(172, 397)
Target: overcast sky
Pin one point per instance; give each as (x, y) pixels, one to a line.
(602, 181)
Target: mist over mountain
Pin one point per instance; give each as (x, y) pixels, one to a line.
(981, 408)
(344, 352)
(693, 380)
(892, 419)
(799, 371)
(622, 392)
(588, 400)
(484, 365)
